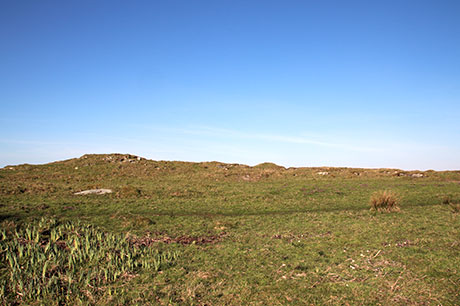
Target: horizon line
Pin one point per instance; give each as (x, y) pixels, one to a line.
(227, 163)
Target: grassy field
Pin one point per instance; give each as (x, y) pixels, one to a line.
(226, 234)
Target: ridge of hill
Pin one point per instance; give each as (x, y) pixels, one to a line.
(117, 171)
(125, 159)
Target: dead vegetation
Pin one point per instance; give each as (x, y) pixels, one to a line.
(385, 201)
(184, 239)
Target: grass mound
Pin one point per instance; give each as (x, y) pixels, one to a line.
(67, 263)
(385, 200)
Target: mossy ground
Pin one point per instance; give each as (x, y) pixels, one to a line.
(259, 235)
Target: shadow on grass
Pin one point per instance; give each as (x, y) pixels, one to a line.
(4, 217)
(236, 213)
(278, 212)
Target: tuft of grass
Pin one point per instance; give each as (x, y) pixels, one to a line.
(454, 205)
(385, 200)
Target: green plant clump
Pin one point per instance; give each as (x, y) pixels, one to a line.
(68, 262)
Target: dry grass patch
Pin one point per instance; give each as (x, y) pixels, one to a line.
(129, 192)
(385, 200)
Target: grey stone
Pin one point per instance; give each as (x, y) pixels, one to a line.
(93, 191)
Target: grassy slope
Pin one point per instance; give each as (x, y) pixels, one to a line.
(286, 236)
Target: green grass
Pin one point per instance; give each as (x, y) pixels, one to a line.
(252, 235)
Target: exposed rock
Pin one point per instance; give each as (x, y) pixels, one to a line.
(322, 173)
(247, 177)
(93, 191)
(122, 158)
(417, 175)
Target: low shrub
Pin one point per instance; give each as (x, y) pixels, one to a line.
(385, 200)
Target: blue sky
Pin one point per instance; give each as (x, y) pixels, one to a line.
(298, 83)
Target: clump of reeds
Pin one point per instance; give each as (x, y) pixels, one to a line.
(385, 200)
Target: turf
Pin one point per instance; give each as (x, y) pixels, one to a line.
(262, 235)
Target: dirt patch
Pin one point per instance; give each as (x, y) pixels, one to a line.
(32, 188)
(306, 191)
(292, 237)
(186, 193)
(184, 240)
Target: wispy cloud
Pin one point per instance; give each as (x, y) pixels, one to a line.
(36, 142)
(212, 131)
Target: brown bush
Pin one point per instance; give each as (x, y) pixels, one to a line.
(385, 200)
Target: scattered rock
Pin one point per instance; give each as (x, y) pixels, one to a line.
(93, 191)
(403, 244)
(222, 166)
(122, 158)
(417, 175)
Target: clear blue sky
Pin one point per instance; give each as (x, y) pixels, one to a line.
(298, 83)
